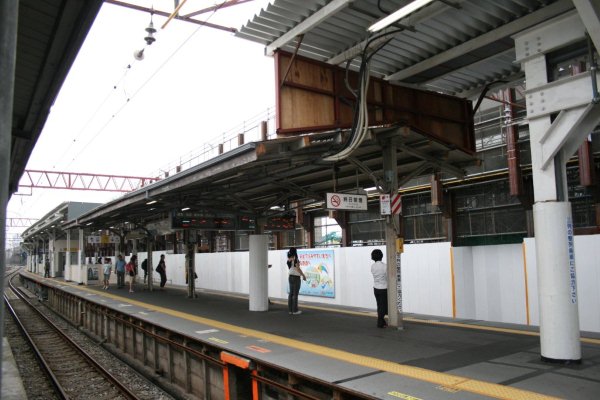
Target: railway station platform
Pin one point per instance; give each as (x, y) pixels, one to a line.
(12, 384)
(431, 358)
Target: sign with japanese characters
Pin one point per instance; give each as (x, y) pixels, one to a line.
(385, 207)
(346, 201)
(103, 239)
(317, 265)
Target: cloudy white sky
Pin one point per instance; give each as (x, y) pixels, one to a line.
(116, 115)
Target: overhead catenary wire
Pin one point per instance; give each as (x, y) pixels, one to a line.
(127, 101)
(135, 93)
(93, 115)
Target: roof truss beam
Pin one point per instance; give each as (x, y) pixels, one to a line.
(309, 23)
(511, 28)
(589, 12)
(447, 167)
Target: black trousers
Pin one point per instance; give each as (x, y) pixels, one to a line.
(382, 306)
(295, 283)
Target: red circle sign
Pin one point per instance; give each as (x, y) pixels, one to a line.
(336, 201)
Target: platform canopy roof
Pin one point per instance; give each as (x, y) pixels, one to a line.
(266, 178)
(450, 46)
(49, 36)
(455, 47)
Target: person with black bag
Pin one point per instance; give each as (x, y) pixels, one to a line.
(145, 268)
(161, 268)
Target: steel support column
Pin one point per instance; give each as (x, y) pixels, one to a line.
(551, 146)
(191, 247)
(391, 234)
(9, 12)
(149, 249)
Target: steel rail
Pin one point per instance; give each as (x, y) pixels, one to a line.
(55, 381)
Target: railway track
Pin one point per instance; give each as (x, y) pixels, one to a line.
(72, 371)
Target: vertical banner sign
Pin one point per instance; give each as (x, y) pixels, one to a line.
(318, 266)
(396, 204)
(571, 247)
(384, 204)
(399, 281)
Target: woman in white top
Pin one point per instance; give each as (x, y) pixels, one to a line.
(107, 267)
(379, 271)
(294, 274)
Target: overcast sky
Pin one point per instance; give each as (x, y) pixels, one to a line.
(116, 115)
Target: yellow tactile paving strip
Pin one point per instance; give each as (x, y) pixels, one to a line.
(447, 381)
(444, 323)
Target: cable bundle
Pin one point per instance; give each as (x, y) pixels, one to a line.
(360, 123)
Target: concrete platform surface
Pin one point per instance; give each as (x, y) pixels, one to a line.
(431, 358)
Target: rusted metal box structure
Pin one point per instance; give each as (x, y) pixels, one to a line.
(312, 96)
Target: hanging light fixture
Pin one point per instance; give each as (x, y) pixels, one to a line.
(399, 14)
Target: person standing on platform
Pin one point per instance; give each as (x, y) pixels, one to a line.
(107, 267)
(294, 274)
(161, 268)
(131, 270)
(120, 270)
(47, 268)
(379, 271)
(145, 268)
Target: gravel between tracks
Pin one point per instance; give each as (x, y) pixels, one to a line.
(35, 382)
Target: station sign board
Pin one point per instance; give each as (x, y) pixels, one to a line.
(246, 223)
(346, 201)
(103, 239)
(205, 220)
(201, 220)
(280, 223)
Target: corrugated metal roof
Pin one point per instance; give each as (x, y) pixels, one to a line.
(453, 46)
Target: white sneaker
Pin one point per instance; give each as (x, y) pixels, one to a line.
(297, 312)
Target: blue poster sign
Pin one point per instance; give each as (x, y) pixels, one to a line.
(318, 266)
(571, 247)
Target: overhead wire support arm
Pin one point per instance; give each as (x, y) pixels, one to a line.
(83, 181)
(185, 18)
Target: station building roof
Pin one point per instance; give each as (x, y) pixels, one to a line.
(455, 46)
(259, 177)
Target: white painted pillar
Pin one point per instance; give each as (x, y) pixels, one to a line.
(557, 286)
(52, 254)
(36, 256)
(81, 258)
(258, 270)
(68, 257)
